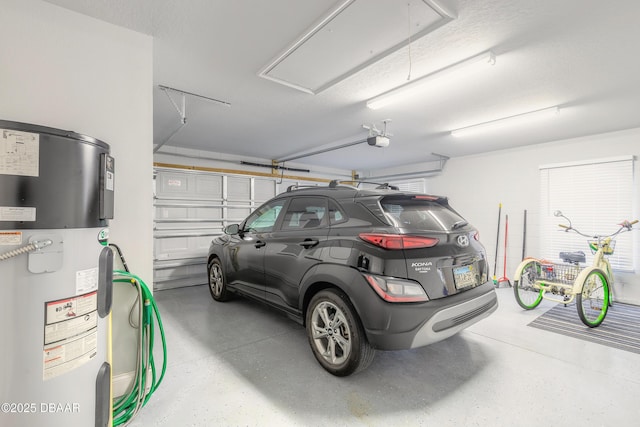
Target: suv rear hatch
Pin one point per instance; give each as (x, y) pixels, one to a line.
(453, 260)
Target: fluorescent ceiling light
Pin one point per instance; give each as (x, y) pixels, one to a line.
(511, 121)
(414, 87)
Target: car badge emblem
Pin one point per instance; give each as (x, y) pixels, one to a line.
(463, 240)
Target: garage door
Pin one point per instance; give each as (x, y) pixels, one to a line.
(191, 207)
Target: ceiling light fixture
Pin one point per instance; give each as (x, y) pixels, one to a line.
(414, 87)
(518, 119)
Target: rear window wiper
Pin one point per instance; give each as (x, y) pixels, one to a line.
(458, 224)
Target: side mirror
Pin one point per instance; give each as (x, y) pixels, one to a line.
(232, 229)
(557, 213)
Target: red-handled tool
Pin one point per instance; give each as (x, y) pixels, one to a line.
(504, 277)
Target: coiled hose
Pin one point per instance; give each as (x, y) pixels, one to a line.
(127, 407)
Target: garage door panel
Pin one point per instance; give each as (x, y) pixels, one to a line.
(209, 187)
(239, 211)
(172, 184)
(172, 248)
(176, 226)
(188, 185)
(191, 208)
(177, 275)
(177, 213)
(168, 213)
(166, 246)
(238, 188)
(207, 213)
(264, 190)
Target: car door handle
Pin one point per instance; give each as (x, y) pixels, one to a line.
(260, 244)
(308, 243)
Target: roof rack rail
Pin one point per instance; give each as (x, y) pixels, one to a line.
(379, 185)
(298, 186)
(338, 183)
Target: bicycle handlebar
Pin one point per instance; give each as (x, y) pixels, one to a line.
(624, 225)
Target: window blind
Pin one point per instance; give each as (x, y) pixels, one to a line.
(416, 186)
(596, 196)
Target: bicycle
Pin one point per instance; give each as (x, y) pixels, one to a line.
(591, 286)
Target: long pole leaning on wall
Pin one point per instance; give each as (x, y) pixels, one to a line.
(182, 111)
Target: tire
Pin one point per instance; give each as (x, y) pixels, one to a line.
(217, 281)
(528, 294)
(336, 335)
(593, 299)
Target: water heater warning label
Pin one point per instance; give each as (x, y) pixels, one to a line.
(70, 334)
(19, 153)
(10, 238)
(14, 213)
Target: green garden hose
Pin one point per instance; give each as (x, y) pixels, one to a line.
(127, 407)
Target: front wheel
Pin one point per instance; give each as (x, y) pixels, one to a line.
(335, 334)
(593, 299)
(528, 294)
(217, 281)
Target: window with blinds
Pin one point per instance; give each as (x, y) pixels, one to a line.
(596, 196)
(416, 186)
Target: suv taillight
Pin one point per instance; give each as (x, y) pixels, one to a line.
(392, 289)
(399, 241)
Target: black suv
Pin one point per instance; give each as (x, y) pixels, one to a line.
(362, 269)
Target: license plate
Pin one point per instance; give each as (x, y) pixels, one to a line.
(464, 276)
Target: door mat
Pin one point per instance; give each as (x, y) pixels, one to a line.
(620, 329)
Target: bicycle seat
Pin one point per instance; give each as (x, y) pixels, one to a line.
(573, 257)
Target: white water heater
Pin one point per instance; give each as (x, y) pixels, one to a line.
(56, 196)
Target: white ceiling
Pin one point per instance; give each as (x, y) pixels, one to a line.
(579, 54)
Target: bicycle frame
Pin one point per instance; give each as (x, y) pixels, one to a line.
(601, 262)
(572, 276)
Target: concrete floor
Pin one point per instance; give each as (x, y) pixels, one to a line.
(242, 364)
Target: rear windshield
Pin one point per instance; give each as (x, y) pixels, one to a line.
(420, 214)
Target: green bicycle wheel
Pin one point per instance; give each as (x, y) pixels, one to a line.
(593, 299)
(528, 294)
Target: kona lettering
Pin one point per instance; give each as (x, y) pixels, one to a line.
(421, 264)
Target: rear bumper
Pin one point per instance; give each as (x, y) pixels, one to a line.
(452, 320)
(416, 325)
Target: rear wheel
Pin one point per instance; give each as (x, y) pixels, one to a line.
(335, 334)
(528, 294)
(217, 281)
(593, 299)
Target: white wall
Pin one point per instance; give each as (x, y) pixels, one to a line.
(68, 71)
(477, 184)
